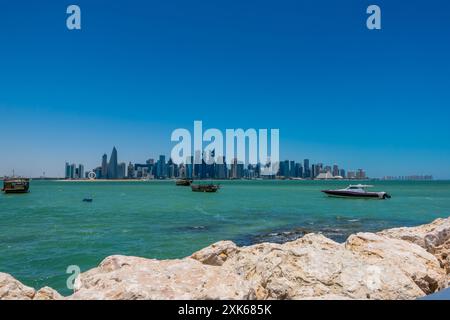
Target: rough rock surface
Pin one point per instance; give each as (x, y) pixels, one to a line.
(317, 267)
(419, 265)
(123, 277)
(47, 293)
(12, 289)
(217, 253)
(433, 237)
(401, 263)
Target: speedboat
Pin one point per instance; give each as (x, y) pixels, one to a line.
(357, 191)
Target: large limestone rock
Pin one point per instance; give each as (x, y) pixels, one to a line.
(122, 277)
(434, 237)
(12, 289)
(368, 266)
(417, 264)
(319, 268)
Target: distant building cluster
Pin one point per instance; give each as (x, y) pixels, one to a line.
(73, 171)
(406, 178)
(197, 168)
(292, 169)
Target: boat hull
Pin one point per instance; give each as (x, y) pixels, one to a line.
(356, 195)
(16, 191)
(183, 183)
(204, 188)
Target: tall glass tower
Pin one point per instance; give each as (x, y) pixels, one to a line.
(104, 171)
(112, 168)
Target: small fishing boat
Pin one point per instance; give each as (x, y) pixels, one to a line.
(205, 187)
(16, 185)
(183, 182)
(87, 200)
(357, 191)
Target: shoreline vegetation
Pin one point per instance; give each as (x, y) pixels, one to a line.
(398, 263)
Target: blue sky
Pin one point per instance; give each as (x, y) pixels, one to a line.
(137, 70)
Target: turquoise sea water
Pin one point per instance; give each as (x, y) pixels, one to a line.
(50, 228)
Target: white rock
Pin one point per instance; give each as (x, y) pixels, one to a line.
(12, 289)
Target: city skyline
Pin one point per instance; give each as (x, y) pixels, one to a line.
(337, 91)
(108, 169)
(220, 168)
(208, 166)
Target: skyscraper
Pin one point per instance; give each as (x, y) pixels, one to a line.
(80, 171)
(306, 169)
(72, 171)
(112, 167)
(221, 168)
(130, 170)
(67, 171)
(161, 171)
(298, 170)
(104, 171)
(335, 170)
(234, 169)
(197, 164)
(360, 174)
(314, 171)
(292, 173)
(190, 167)
(121, 168)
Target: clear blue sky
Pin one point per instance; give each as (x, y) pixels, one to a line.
(137, 70)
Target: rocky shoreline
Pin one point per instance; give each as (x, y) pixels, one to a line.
(399, 263)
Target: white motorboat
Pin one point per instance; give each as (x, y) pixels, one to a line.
(357, 191)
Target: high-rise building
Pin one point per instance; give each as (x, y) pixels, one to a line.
(67, 171)
(335, 170)
(314, 171)
(130, 171)
(190, 167)
(161, 171)
(104, 171)
(221, 168)
(360, 174)
(319, 168)
(306, 169)
(171, 169)
(80, 171)
(121, 170)
(342, 173)
(197, 164)
(292, 169)
(233, 173)
(240, 170)
(298, 170)
(351, 175)
(98, 172)
(285, 166)
(73, 171)
(113, 167)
